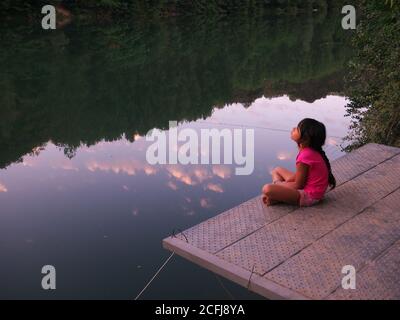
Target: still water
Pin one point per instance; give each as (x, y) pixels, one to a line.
(76, 190)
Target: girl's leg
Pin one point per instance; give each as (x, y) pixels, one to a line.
(277, 193)
(282, 174)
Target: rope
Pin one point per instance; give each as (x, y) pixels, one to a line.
(170, 257)
(173, 235)
(223, 287)
(159, 270)
(248, 283)
(180, 231)
(251, 126)
(219, 280)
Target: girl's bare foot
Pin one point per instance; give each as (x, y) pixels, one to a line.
(268, 202)
(264, 198)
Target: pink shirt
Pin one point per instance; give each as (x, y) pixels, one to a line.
(317, 181)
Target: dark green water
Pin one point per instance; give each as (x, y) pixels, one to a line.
(76, 191)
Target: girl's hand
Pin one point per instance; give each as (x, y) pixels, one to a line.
(292, 178)
(298, 180)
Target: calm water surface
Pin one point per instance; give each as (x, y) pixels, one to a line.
(76, 191)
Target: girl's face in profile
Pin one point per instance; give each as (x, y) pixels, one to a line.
(295, 135)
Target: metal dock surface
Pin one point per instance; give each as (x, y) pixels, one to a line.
(285, 252)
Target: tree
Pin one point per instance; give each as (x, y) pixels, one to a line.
(373, 83)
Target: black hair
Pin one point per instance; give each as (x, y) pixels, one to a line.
(313, 135)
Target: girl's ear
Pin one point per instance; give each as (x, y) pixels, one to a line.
(302, 145)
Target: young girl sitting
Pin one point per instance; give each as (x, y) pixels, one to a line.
(313, 174)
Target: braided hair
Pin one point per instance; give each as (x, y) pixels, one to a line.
(313, 134)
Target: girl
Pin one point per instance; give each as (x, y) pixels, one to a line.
(313, 174)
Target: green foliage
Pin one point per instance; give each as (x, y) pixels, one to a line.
(373, 84)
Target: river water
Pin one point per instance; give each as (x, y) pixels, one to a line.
(76, 191)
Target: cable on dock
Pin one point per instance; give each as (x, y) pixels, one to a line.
(159, 270)
(248, 283)
(173, 235)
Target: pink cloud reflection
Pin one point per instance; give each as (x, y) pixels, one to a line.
(3, 188)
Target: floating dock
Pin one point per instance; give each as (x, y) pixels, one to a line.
(285, 252)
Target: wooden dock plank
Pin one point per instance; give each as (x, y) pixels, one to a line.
(361, 160)
(230, 271)
(274, 243)
(217, 233)
(316, 271)
(269, 238)
(380, 280)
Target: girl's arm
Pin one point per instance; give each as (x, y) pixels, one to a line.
(300, 178)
